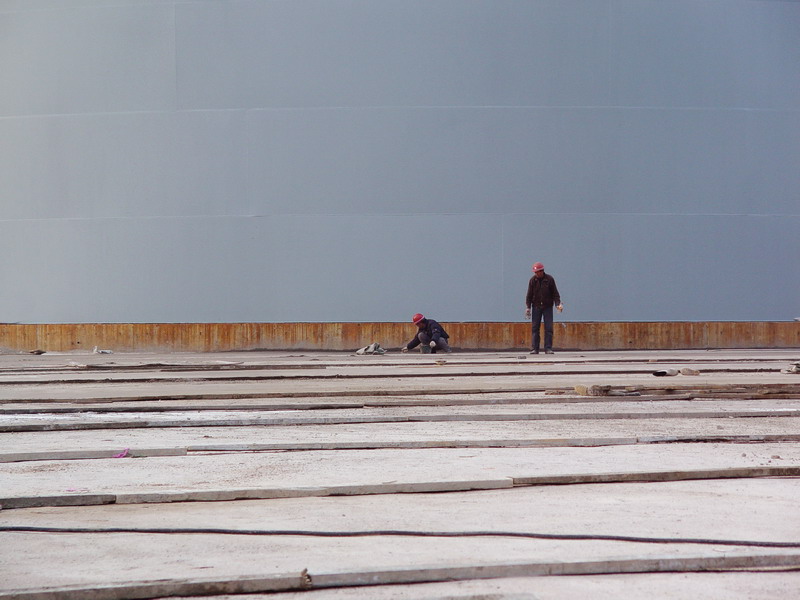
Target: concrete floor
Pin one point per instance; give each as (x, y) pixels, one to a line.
(463, 476)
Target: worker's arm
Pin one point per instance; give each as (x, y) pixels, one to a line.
(557, 297)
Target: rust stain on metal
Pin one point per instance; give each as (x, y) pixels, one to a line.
(209, 337)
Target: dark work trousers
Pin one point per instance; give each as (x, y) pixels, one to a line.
(536, 318)
(441, 344)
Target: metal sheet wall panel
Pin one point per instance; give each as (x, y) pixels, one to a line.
(87, 59)
(658, 267)
(690, 53)
(123, 165)
(342, 160)
(360, 53)
(424, 160)
(285, 268)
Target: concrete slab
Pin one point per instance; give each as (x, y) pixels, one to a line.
(533, 399)
(733, 510)
(752, 511)
(270, 475)
(378, 380)
(403, 435)
(653, 586)
(171, 564)
(308, 359)
(603, 408)
(433, 366)
(343, 519)
(329, 375)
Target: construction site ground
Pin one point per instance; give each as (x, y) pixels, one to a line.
(327, 475)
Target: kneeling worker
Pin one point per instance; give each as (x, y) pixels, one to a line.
(430, 334)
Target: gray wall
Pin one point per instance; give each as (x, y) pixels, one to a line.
(362, 160)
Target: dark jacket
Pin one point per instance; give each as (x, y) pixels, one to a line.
(542, 292)
(432, 328)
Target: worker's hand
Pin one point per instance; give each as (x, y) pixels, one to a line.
(527, 313)
(432, 344)
(560, 307)
(404, 349)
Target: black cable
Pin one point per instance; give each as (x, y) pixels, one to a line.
(398, 532)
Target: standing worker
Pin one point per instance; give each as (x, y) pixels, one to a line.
(430, 334)
(542, 295)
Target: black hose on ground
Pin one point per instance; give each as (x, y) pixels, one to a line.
(397, 532)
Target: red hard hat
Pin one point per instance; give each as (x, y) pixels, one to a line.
(417, 318)
(538, 266)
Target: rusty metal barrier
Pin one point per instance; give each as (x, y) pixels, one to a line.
(213, 337)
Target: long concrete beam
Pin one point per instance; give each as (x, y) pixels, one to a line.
(128, 491)
(193, 420)
(305, 581)
(211, 337)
